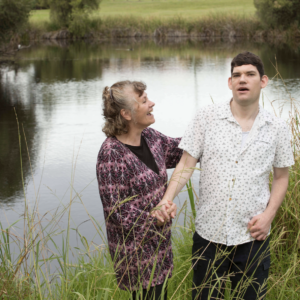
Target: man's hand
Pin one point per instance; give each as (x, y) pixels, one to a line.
(259, 226)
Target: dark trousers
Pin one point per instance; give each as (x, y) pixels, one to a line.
(246, 266)
(154, 293)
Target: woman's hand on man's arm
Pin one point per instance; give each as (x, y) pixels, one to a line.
(182, 173)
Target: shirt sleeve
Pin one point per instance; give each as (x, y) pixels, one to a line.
(115, 192)
(283, 154)
(193, 138)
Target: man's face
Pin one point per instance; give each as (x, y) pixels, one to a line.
(245, 83)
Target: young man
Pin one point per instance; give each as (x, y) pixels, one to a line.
(238, 143)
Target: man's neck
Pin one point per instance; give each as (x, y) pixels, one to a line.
(245, 113)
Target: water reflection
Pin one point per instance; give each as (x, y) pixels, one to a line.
(12, 103)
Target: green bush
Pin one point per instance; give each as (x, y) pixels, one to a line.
(72, 12)
(13, 15)
(79, 23)
(278, 13)
(41, 4)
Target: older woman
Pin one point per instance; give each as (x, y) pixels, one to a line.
(132, 175)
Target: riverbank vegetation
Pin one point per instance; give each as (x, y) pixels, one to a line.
(195, 19)
(142, 18)
(38, 261)
(226, 19)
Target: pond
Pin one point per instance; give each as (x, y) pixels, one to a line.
(56, 92)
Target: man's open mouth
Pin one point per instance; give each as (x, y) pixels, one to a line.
(243, 89)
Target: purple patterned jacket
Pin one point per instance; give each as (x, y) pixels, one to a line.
(139, 249)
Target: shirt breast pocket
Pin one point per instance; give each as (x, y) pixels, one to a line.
(264, 149)
(263, 139)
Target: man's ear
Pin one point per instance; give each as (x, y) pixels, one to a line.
(264, 81)
(126, 114)
(230, 83)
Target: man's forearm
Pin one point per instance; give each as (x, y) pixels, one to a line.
(180, 176)
(279, 187)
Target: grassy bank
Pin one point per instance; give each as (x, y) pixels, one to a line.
(159, 18)
(227, 19)
(162, 9)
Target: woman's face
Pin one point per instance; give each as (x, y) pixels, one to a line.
(142, 115)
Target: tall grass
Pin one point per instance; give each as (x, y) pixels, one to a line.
(26, 257)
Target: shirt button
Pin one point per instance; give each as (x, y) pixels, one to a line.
(236, 161)
(230, 199)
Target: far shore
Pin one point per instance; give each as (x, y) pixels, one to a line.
(227, 33)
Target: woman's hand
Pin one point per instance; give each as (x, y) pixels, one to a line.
(164, 210)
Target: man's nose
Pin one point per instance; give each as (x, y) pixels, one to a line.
(243, 78)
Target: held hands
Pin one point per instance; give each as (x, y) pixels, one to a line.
(164, 210)
(259, 226)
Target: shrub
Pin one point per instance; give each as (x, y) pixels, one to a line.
(41, 4)
(79, 23)
(13, 15)
(278, 13)
(67, 11)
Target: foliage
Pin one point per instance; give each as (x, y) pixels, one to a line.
(13, 15)
(41, 4)
(79, 25)
(73, 13)
(278, 13)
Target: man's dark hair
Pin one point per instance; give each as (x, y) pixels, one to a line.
(248, 58)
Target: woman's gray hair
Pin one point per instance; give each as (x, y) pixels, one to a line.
(115, 99)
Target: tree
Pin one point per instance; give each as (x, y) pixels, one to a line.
(278, 13)
(67, 11)
(13, 15)
(41, 4)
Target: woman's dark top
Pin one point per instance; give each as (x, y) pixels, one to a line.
(144, 154)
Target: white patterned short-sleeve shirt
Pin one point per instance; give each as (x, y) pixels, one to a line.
(234, 180)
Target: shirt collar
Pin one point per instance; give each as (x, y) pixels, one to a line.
(224, 112)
